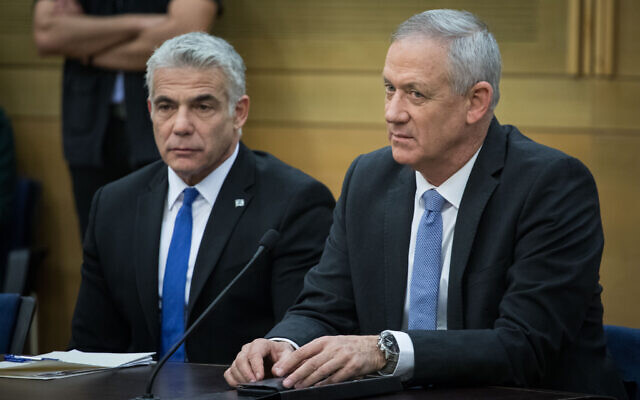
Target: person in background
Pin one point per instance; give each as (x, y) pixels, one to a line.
(105, 127)
(463, 254)
(164, 241)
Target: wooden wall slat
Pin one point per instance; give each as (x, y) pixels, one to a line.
(627, 45)
(354, 35)
(31, 92)
(18, 50)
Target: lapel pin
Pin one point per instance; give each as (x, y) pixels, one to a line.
(239, 203)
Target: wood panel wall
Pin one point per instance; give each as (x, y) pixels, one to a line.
(570, 80)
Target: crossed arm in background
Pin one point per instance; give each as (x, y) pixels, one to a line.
(120, 42)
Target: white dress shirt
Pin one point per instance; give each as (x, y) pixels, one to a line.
(208, 190)
(452, 190)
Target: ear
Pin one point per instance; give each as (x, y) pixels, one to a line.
(479, 97)
(149, 106)
(241, 112)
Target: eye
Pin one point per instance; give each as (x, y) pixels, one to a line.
(388, 88)
(416, 94)
(204, 107)
(163, 107)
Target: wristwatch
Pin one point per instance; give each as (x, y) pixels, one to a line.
(389, 347)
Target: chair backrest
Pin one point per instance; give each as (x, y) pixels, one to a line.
(16, 314)
(17, 271)
(9, 306)
(624, 346)
(23, 324)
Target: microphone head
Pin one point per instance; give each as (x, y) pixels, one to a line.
(269, 238)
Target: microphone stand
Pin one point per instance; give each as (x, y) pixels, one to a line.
(268, 240)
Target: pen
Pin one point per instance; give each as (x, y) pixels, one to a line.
(20, 359)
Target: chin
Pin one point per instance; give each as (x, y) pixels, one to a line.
(402, 156)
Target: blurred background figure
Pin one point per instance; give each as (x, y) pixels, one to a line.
(105, 123)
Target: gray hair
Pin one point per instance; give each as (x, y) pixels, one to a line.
(201, 50)
(474, 55)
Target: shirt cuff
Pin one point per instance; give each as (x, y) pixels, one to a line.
(406, 361)
(296, 347)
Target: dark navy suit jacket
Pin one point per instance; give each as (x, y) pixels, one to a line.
(524, 303)
(117, 308)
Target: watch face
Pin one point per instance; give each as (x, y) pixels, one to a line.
(390, 343)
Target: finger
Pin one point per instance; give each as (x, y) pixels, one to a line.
(322, 373)
(349, 370)
(233, 376)
(256, 365)
(242, 368)
(298, 377)
(231, 380)
(291, 361)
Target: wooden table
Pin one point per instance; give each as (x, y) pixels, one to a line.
(204, 382)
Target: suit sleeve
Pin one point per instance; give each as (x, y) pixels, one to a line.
(326, 305)
(550, 286)
(303, 231)
(96, 325)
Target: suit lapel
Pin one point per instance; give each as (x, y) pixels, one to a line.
(398, 214)
(147, 228)
(223, 219)
(481, 184)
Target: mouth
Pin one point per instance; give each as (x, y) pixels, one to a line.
(399, 136)
(183, 150)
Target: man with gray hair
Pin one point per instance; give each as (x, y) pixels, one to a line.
(164, 241)
(463, 254)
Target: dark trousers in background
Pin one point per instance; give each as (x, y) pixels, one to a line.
(87, 180)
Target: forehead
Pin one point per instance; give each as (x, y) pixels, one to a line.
(417, 58)
(187, 81)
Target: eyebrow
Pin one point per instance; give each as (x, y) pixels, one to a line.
(204, 97)
(197, 99)
(421, 87)
(162, 99)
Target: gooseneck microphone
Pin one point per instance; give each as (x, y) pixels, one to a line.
(268, 240)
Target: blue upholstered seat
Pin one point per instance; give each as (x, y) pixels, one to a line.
(624, 346)
(9, 305)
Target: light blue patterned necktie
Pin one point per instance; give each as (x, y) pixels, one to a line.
(425, 280)
(175, 278)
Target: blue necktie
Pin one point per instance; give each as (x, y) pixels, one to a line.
(175, 278)
(425, 280)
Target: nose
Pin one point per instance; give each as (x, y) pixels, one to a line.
(394, 109)
(182, 124)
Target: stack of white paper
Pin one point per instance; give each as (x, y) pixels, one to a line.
(62, 364)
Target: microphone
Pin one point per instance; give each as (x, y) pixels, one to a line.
(268, 240)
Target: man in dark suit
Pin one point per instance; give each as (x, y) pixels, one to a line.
(464, 254)
(146, 273)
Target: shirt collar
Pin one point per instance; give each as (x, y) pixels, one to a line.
(208, 188)
(453, 188)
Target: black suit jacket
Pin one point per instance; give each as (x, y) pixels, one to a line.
(524, 300)
(117, 308)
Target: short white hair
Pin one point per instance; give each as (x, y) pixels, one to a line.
(202, 51)
(474, 55)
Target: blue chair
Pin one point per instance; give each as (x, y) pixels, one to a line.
(16, 315)
(624, 346)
